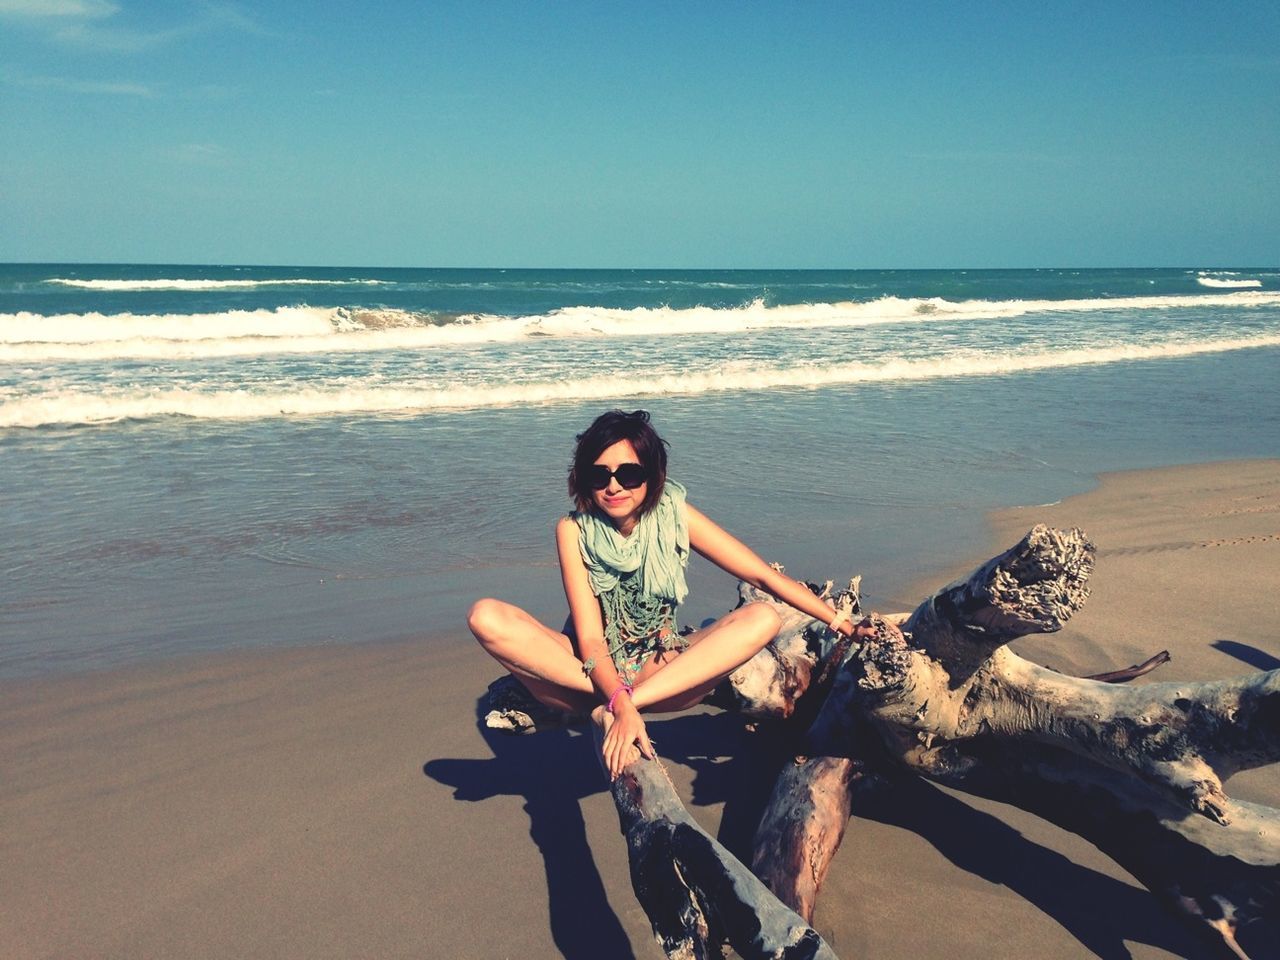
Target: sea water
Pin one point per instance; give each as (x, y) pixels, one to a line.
(203, 457)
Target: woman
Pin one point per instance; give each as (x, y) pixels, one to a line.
(622, 559)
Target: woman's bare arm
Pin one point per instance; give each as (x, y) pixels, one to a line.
(627, 730)
(737, 559)
(584, 610)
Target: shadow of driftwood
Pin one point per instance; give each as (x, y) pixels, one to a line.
(1099, 911)
(553, 772)
(731, 765)
(1247, 654)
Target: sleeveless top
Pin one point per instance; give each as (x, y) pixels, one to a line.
(638, 580)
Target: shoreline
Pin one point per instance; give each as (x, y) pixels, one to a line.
(338, 799)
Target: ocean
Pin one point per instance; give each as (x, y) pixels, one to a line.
(199, 458)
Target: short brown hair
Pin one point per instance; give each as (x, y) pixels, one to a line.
(608, 429)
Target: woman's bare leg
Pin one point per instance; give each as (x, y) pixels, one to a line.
(539, 657)
(675, 680)
(677, 683)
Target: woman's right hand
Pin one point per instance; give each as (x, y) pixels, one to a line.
(624, 736)
(865, 629)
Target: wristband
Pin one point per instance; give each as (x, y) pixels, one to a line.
(614, 696)
(841, 617)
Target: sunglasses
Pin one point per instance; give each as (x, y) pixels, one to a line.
(628, 475)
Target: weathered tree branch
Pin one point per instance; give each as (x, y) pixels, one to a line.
(1139, 771)
(801, 828)
(773, 683)
(1125, 674)
(697, 894)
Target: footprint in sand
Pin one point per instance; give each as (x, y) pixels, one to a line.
(1237, 511)
(1188, 545)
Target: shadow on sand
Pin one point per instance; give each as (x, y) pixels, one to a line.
(554, 771)
(1247, 654)
(1099, 911)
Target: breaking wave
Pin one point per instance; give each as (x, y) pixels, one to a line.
(1222, 279)
(28, 337)
(133, 403)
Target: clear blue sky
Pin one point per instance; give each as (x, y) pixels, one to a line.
(683, 134)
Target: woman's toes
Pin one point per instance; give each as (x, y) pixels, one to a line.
(602, 718)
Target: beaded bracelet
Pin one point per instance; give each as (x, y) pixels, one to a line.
(625, 686)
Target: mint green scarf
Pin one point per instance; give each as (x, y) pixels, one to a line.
(658, 547)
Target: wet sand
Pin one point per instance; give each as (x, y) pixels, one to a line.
(340, 801)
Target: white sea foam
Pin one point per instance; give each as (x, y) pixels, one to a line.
(179, 284)
(79, 407)
(649, 321)
(1218, 280)
(111, 330)
(28, 337)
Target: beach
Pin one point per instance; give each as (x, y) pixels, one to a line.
(304, 315)
(340, 800)
(248, 507)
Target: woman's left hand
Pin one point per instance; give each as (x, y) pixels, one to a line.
(625, 735)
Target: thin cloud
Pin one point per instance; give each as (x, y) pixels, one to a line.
(97, 24)
(44, 9)
(121, 39)
(231, 16)
(71, 85)
(203, 154)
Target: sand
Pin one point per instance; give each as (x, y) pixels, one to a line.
(341, 801)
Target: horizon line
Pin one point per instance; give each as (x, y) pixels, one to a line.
(615, 269)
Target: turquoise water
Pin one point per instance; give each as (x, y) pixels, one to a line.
(195, 458)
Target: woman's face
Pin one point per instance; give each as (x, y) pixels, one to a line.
(622, 506)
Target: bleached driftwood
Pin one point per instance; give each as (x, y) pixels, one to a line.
(804, 654)
(697, 894)
(1139, 771)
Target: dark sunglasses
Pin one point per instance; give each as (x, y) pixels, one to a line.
(629, 476)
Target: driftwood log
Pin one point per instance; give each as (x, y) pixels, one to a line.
(696, 893)
(1138, 771)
